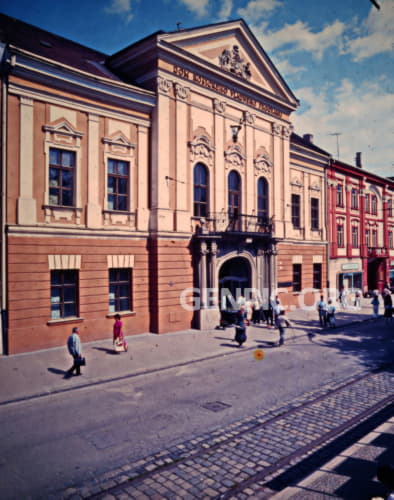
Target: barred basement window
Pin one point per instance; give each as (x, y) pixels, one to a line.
(120, 285)
(297, 277)
(64, 294)
(317, 276)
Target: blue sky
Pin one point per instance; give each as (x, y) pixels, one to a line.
(336, 56)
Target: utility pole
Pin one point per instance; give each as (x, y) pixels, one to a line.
(337, 134)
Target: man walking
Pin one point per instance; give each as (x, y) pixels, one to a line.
(322, 310)
(74, 348)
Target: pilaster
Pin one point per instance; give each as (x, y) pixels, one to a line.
(94, 211)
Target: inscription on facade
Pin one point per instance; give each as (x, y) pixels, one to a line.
(226, 91)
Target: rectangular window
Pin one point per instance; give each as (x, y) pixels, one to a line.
(118, 185)
(297, 277)
(296, 210)
(374, 205)
(391, 242)
(390, 208)
(339, 195)
(374, 238)
(354, 199)
(64, 294)
(314, 213)
(317, 276)
(61, 177)
(120, 286)
(354, 236)
(367, 207)
(368, 237)
(340, 240)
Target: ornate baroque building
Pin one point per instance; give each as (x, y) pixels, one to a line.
(152, 182)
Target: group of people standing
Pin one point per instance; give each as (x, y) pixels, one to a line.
(387, 304)
(75, 349)
(326, 312)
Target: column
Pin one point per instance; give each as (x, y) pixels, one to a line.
(27, 209)
(142, 176)
(93, 209)
(214, 282)
(182, 186)
(203, 274)
(218, 184)
(250, 188)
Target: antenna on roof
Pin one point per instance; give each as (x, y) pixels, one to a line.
(178, 25)
(337, 134)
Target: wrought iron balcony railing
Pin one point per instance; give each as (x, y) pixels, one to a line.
(223, 222)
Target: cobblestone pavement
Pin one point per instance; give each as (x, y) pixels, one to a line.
(242, 460)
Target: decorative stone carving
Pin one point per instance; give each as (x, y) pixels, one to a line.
(219, 106)
(181, 92)
(201, 147)
(234, 157)
(163, 85)
(249, 117)
(231, 61)
(118, 143)
(276, 128)
(262, 163)
(286, 131)
(62, 132)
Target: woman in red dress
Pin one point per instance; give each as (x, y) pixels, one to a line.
(119, 340)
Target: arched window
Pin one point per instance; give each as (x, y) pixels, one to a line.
(262, 201)
(234, 194)
(200, 182)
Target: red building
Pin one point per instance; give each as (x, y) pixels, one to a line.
(361, 227)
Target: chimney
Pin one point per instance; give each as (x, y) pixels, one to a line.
(358, 160)
(308, 138)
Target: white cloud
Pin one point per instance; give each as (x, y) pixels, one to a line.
(299, 36)
(199, 7)
(286, 68)
(225, 10)
(256, 9)
(363, 116)
(376, 33)
(121, 7)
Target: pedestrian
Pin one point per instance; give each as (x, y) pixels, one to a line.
(277, 309)
(74, 348)
(282, 322)
(331, 314)
(119, 340)
(322, 310)
(343, 297)
(240, 327)
(375, 305)
(357, 299)
(388, 305)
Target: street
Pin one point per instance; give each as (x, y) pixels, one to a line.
(68, 439)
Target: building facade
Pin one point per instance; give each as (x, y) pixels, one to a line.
(361, 225)
(157, 182)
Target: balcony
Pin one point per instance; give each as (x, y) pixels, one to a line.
(378, 252)
(221, 222)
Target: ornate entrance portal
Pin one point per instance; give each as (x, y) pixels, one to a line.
(234, 279)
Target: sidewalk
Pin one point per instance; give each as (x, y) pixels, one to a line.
(40, 373)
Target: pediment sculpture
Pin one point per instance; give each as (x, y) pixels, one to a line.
(231, 60)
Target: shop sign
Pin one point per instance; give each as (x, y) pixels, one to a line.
(351, 266)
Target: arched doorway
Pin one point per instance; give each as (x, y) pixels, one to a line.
(234, 279)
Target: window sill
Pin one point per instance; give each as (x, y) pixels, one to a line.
(71, 319)
(121, 313)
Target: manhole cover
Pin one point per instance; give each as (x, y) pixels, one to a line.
(216, 406)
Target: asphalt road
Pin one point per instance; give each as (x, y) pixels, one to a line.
(53, 442)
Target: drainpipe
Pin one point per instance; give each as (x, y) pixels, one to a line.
(328, 195)
(3, 261)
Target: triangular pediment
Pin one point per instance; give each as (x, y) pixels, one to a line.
(235, 52)
(62, 126)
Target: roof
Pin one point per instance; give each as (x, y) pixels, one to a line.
(53, 47)
(297, 139)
